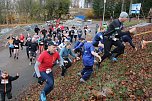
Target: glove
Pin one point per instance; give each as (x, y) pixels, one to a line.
(40, 80)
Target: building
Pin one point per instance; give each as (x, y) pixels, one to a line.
(81, 3)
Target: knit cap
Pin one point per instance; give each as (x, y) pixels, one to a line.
(123, 15)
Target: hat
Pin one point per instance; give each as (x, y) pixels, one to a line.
(52, 44)
(123, 15)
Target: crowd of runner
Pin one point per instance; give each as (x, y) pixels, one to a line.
(58, 45)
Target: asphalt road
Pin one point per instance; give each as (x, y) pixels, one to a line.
(20, 66)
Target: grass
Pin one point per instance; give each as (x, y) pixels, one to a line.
(133, 22)
(131, 75)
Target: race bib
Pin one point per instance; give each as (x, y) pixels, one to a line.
(4, 81)
(48, 70)
(15, 45)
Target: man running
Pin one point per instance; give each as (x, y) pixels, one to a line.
(43, 68)
(113, 35)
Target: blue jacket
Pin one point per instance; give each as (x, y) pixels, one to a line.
(88, 58)
(64, 53)
(98, 37)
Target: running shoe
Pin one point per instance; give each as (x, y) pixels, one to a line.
(43, 96)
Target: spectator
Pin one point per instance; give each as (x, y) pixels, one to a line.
(6, 85)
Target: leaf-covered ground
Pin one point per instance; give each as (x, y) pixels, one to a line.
(130, 79)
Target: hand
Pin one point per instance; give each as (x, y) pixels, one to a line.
(40, 80)
(77, 58)
(101, 45)
(17, 74)
(99, 58)
(65, 61)
(37, 51)
(132, 30)
(74, 60)
(136, 48)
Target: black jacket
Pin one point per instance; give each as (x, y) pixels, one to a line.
(7, 87)
(115, 28)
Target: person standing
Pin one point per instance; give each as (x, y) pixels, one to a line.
(43, 68)
(6, 85)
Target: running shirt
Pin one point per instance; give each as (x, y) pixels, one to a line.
(33, 47)
(46, 60)
(16, 43)
(10, 42)
(21, 38)
(114, 30)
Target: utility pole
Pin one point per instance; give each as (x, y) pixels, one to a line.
(122, 7)
(104, 10)
(130, 7)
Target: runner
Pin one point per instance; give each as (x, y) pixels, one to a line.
(78, 47)
(16, 44)
(27, 44)
(88, 59)
(44, 32)
(21, 37)
(65, 61)
(41, 44)
(33, 47)
(112, 37)
(10, 45)
(98, 39)
(37, 29)
(43, 68)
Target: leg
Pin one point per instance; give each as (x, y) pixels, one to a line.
(107, 48)
(3, 96)
(49, 82)
(10, 51)
(87, 73)
(27, 52)
(9, 95)
(63, 70)
(119, 49)
(14, 53)
(17, 53)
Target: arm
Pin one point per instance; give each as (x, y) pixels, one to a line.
(61, 58)
(79, 46)
(131, 43)
(37, 69)
(14, 78)
(94, 53)
(6, 44)
(72, 54)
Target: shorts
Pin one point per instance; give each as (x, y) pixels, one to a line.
(16, 47)
(32, 54)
